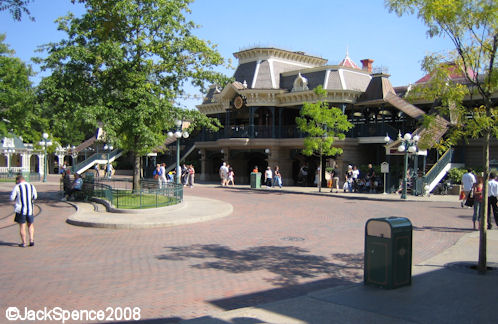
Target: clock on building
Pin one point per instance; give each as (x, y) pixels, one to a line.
(238, 102)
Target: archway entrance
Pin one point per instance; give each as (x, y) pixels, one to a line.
(34, 163)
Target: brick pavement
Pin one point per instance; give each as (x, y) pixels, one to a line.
(275, 245)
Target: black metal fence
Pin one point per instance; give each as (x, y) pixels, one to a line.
(120, 193)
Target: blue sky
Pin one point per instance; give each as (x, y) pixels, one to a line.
(324, 28)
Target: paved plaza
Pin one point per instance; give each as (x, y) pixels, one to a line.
(274, 246)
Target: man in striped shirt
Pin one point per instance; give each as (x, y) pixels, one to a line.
(24, 195)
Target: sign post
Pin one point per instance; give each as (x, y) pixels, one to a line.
(384, 168)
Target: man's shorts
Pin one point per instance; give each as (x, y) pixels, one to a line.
(21, 219)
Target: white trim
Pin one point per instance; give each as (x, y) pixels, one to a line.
(272, 75)
(371, 140)
(255, 77)
(358, 72)
(326, 81)
(303, 65)
(341, 78)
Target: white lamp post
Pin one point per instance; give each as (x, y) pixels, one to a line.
(74, 156)
(45, 142)
(108, 148)
(408, 146)
(178, 134)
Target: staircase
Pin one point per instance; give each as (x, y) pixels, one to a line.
(188, 149)
(97, 158)
(439, 170)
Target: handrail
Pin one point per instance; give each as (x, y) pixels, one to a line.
(188, 149)
(100, 156)
(439, 166)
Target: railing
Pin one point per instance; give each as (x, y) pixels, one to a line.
(16, 170)
(121, 195)
(437, 168)
(101, 156)
(11, 176)
(291, 131)
(189, 148)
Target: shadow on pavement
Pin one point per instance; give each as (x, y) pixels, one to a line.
(3, 243)
(443, 229)
(440, 296)
(324, 193)
(291, 266)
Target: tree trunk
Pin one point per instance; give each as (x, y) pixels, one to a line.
(483, 226)
(320, 173)
(136, 172)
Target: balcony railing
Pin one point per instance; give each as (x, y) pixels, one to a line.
(291, 131)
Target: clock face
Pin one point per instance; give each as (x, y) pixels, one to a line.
(238, 102)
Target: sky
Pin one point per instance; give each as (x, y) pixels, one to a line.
(324, 28)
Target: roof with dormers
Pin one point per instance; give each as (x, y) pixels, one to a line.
(275, 70)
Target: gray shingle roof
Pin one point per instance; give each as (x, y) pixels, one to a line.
(334, 81)
(263, 79)
(245, 72)
(355, 80)
(209, 95)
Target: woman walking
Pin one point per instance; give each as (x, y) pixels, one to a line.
(277, 177)
(477, 191)
(191, 175)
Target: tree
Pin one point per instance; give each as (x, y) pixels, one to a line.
(323, 124)
(124, 63)
(472, 26)
(18, 110)
(16, 8)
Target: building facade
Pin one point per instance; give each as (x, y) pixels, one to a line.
(258, 111)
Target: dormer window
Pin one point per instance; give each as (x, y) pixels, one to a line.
(300, 83)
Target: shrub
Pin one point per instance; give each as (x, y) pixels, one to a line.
(455, 175)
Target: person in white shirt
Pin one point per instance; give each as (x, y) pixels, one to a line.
(224, 174)
(162, 176)
(268, 177)
(468, 181)
(492, 198)
(24, 194)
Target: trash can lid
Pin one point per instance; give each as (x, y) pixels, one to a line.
(385, 226)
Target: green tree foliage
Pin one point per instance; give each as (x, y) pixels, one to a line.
(18, 111)
(472, 26)
(123, 63)
(16, 8)
(323, 125)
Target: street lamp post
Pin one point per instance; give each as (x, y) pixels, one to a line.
(74, 156)
(45, 142)
(108, 148)
(408, 146)
(178, 134)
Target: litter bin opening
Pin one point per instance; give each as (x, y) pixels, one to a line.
(379, 229)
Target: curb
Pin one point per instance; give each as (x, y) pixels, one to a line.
(194, 210)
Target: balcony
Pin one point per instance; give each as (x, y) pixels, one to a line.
(291, 131)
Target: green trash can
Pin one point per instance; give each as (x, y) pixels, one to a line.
(388, 252)
(255, 180)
